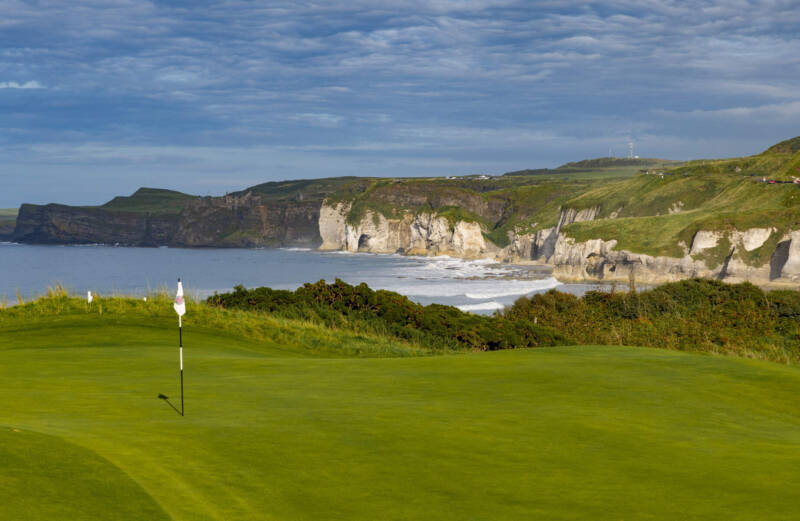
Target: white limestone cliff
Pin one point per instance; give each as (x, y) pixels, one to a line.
(588, 261)
(421, 234)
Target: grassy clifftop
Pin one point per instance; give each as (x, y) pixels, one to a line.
(634, 197)
(601, 167)
(166, 202)
(151, 200)
(659, 212)
(8, 219)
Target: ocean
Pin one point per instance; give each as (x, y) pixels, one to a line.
(481, 286)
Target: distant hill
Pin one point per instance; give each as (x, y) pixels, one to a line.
(156, 200)
(298, 189)
(600, 167)
(780, 162)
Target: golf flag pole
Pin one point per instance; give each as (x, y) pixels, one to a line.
(180, 309)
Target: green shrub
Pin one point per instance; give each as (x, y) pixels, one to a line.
(340, 305)
(698, 314)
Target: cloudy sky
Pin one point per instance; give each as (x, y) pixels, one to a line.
(99, 97)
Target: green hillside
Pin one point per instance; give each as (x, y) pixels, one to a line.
(277, 428)
(153, 200)
(700, 195)
(8, 219)
(299, 189)
(599, 168)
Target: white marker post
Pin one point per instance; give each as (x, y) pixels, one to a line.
(180, 309)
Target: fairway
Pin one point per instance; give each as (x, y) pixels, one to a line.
(558, 433)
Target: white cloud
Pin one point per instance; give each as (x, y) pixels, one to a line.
(16, 85)
(318, 119)
(788, 110)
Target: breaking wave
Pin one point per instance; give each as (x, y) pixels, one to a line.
(483, 306)
(515, 287)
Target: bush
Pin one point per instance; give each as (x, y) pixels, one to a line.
(698, 314)
(341, 305)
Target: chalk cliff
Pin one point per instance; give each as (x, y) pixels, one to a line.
(414, 234)
(595, 260)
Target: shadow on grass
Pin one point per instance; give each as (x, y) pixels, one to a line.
(166, 399)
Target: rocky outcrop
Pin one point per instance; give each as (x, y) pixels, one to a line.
(332, 226)
(791, 267)
(598, 260)
(753, 238)
(705, 240)
(540, 246)
(420, 234)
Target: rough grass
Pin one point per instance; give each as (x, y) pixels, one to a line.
(715, 202)
(561, 433)
(303, 338)
(152, 200)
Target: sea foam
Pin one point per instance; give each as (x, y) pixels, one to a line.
(483, 306)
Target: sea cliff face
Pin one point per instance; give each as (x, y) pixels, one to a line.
(413, 234)
(247, 221)
(595, 260)
(229, 221)
(61, 224)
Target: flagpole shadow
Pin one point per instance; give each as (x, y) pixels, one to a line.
(166, 399)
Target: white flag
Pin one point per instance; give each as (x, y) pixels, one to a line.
(180, 304)
(89, 296)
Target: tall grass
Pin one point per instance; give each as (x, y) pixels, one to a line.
(301, 336)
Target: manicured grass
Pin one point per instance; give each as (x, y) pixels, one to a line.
(272, 432)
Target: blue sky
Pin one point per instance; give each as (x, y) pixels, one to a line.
(99, 97)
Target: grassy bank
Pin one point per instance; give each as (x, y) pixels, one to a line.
(300, 337)
(280, 428)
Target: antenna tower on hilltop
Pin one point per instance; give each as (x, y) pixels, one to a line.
(630, 150)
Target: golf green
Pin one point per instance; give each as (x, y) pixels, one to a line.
(591, 433)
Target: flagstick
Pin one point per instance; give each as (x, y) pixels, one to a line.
(180, 309)
(180, 351)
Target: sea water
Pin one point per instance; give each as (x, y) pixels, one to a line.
(480, 286)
